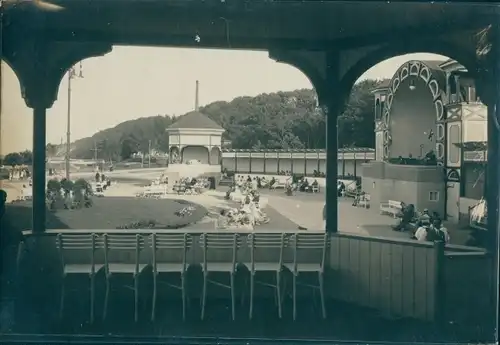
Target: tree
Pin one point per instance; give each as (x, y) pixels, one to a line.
(128, 148)
(12, 159)
(27, 157)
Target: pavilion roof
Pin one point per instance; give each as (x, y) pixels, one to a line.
(195, 120)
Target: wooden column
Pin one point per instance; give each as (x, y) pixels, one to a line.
(235, 162)
(332, 108)
(343, 165)
(319, 164)
(39, 155)
(305, 163)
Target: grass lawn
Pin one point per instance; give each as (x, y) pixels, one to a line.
(110, 212)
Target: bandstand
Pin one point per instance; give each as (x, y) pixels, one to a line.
(194, 146)
(424, 117)
(398, 278)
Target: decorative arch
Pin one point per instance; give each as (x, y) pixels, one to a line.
(195, 152)
(174, 155)
(396, 48)
(215, 155)
(40, 68)
(417, 69)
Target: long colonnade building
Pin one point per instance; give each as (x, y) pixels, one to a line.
(301, 162)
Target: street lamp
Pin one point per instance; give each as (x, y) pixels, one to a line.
(71, 75)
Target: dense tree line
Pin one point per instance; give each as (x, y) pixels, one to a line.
(17, 158)
(281, 120)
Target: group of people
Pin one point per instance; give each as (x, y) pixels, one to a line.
(248, 215)
(189, 185)
(423, 227)
(19, 173)
(302, 185)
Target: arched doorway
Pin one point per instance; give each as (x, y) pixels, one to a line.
(215, 156)
(198, 153)
(414, 113)
(174, 156)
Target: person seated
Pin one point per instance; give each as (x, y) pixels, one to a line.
(430, 158)
(421, 233)
(424, 218)
(306, 186)
(272, 182)
(222, 220)
(256, 198)
(435, 216)
(406, 216)
(315, 184)
(259, 182)
(357, 198)
(433, 233)
(341, 189)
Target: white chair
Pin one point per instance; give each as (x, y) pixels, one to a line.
(115, 245)
(309, 256)
(224, 247)
(272, 245)
(70, 246)
(170, 256)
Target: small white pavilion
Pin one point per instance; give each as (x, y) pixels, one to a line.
(195, 137)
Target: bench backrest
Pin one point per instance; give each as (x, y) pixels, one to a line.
(395, 204)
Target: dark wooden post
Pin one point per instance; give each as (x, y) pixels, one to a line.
(439, 283)
(235, 162)
(264, 166)
(250, 162)
(39, 155)
(332, 108)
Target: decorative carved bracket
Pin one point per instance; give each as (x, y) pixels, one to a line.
(40, 66)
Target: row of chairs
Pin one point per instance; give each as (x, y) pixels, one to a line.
(173, 253)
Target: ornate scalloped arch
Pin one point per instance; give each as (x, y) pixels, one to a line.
(420, 70)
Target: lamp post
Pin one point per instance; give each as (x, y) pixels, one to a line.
(71, 75)
(149, 154)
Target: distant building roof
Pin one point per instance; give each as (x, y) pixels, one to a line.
(196, 120)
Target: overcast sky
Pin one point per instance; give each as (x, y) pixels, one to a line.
(130, 83)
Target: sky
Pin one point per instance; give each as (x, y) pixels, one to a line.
(132, 82)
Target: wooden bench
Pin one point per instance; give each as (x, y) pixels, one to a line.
(351, 189)
(391, 207)
(281, 182)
